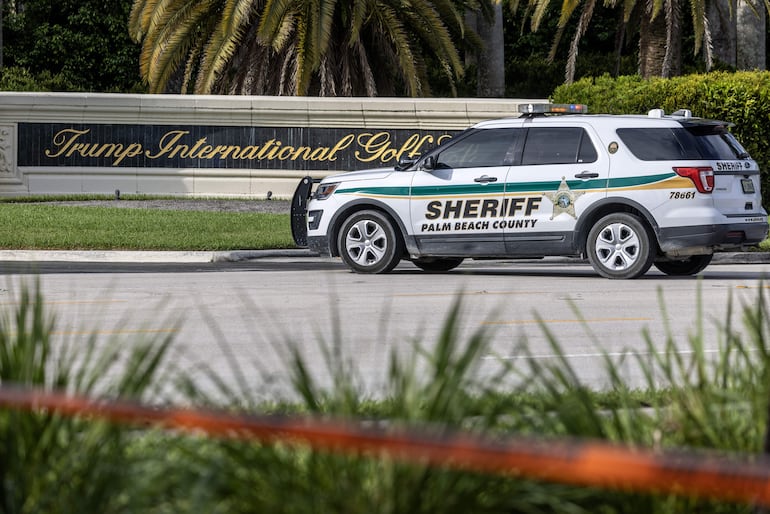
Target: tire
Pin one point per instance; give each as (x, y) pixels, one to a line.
(368, 243)
(438, 264)
(620, 246)
(689, 266)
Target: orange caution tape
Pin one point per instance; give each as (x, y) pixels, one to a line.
(745, 479)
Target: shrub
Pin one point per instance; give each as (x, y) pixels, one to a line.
(20, 79)
(742, 98)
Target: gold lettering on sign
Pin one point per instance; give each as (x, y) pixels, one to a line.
(173, 144)
(341, 145)
(64, 139)
(379, 147)
(167, 143)
(67, 145)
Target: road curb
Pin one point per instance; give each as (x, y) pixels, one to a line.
(105, 256)
(248, 255)
(741, 258)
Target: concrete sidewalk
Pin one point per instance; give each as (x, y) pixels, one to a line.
(146, 256)
(247, 255)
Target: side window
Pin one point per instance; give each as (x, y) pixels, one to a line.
(483, 148)
(660, 144)
(558, 145)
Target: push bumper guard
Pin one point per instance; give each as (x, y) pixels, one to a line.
(299, 210)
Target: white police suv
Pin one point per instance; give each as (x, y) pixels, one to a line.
(625, 191)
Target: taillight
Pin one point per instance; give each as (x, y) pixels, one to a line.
(702, 177)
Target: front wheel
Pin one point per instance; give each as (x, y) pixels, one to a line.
(689, 266)
(437, 264)
(620, 246)
(368, 243)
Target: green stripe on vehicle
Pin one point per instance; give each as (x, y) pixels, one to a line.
(510, 187)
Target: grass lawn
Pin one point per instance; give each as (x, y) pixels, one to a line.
(55, 227)
(44, 226)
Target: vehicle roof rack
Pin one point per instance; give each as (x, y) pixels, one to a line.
(660, 113)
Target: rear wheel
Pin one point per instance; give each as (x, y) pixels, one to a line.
(620, 246)
(437, 264)
(689, 266)
(368, 243)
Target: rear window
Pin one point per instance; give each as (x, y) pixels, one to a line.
(673, 144)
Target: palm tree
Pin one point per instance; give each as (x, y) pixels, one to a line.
(300, 47)
(739, 28)
(659, 30)
(490, 58)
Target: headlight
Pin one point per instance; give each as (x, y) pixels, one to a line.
(324, 191)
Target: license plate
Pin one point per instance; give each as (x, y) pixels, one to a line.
(747, 185)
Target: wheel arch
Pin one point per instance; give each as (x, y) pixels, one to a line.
(362, 205)
(609, 206)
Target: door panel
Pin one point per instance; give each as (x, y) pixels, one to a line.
(453, 211)
(456, 207)
(559, 174)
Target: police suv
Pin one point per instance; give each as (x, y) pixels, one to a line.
(625, 191)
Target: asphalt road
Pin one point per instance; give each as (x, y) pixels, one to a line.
(239, 318)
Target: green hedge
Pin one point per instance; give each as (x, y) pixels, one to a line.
(742, 98)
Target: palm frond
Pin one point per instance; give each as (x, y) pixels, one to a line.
(673, 16)
(699, 20)
(325, 25)
(433, 32)
(391, 27)
(568, 7)
(272, 25)
(358, 14)
(164, 22)
(539, 8)
(585, 19)
(655, 7)
(139, 18)
(223, 42)
(708, 45)
(301, 46)
(628, 9)
(173, 43)
(452, 17)
(369, 84)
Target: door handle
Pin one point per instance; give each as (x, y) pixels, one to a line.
(484, 179)
(587, 174)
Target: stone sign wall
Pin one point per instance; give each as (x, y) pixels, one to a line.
(64, 143)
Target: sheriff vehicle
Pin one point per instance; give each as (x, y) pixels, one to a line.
(626, 192)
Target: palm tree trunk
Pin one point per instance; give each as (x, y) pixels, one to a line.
(491, 60)
(654, 45)
(751, 29)
(721, 23)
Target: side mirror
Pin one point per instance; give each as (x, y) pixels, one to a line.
(405, 162)
(429, 163)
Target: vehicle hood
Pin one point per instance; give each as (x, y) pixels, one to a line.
(372, 174)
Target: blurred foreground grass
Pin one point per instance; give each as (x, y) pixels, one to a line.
(709, 392)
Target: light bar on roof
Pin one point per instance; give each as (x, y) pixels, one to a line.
(553, 108)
